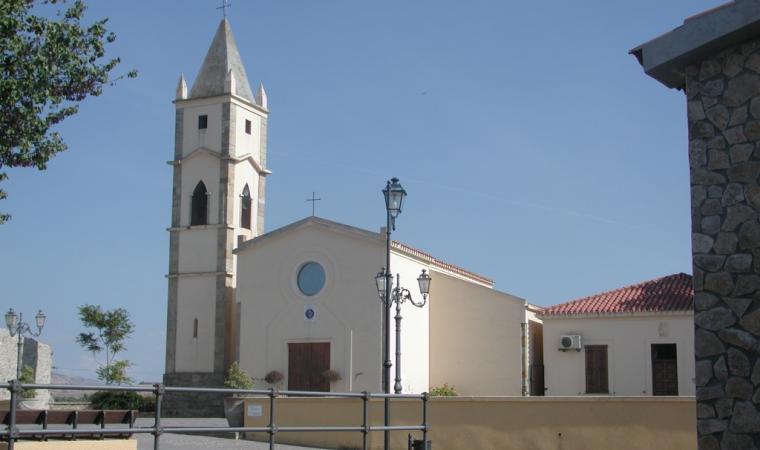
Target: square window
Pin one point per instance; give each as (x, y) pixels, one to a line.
(247, 126)
(202, 122)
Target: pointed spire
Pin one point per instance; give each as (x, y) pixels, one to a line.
(181, 88)
(261, 96)
(229, 82)
(221, 59)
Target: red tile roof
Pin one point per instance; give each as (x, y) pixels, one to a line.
(666, 294)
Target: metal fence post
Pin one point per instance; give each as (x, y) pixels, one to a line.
(157, 430)
(365, 423)
(15, 388)
(272, 426)
(425, 398)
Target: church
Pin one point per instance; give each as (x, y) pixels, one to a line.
(301, 300)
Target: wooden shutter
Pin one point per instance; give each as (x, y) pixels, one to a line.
(320, 361)
(596, 369)
(298, 355)
(664, 369)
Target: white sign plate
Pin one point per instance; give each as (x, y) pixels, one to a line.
(254, 411)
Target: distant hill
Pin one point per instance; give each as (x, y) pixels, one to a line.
(59, 378)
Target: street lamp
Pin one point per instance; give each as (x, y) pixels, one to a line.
(16, 325)
(399, 295)
(394, 195)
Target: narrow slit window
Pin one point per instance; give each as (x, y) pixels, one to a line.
(199, 206)
(245, 208)
(195, 327)
(247, 126)
(202, 122)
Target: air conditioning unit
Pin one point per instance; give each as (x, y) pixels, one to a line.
(570, 342)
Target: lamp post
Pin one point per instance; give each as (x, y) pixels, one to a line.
(399, 295)
(16, 325)
(394, 195)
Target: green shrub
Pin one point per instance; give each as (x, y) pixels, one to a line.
(443, 391)
(147, 403)
(115, 400)
(27, 377)
(237, 378)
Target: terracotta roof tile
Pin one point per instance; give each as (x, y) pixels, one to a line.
(670, 293)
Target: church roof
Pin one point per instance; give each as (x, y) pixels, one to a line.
(222, 58)
(673, 293)
(380, 237)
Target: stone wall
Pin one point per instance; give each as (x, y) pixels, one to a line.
(36, 354)
(723, 100)
(193, 404)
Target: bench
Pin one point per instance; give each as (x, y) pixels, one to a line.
(73, 419)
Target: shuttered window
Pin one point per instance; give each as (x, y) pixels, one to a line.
(664, 369)
(596, 369)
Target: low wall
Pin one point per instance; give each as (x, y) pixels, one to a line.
(503, 423)
(107, 444)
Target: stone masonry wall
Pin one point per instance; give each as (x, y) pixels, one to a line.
(723, 101)
(193, 404)
(36, 354)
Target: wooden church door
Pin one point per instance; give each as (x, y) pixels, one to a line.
(307, 362)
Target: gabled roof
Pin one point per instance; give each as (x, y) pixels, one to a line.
(366, 234)
(222, 58)
(672, 293)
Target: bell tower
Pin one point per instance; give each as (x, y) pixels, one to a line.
(219, 173)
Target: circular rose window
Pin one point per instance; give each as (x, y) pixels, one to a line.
(311, 278)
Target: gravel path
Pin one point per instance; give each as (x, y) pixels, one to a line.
(188, 442)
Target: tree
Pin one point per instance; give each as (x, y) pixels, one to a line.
(112, 328)
(50, 62)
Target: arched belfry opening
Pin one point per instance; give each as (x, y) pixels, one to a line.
(245, 208)
(199, 206)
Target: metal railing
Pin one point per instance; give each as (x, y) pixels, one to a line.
(13, 433)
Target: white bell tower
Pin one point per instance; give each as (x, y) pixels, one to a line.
(217, 202)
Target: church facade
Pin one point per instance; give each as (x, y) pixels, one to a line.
(302, 300)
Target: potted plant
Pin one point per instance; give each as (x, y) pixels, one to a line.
(237, 378)
(331, 376)
(28, 398)
(274, 377)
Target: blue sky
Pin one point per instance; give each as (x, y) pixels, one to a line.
(534, 149)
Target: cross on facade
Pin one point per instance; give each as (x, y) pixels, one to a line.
(313, 201)
(225, 4)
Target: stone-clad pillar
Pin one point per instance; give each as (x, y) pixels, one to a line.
(715, 58)
(723, 102)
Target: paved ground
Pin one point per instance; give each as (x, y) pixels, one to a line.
(188, 442)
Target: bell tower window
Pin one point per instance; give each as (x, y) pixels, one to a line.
(195, 327)
(247, 126)
(199, 207)
(202, 122)
(245, 208)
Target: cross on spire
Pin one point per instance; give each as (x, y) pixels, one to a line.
(313, 201)
(225, 4)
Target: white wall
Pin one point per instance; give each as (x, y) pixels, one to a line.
(475, 337)
(629, 343)
(415, 329)
(195, 299)
(209, 138)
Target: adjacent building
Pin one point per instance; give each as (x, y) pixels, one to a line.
(633, 341)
